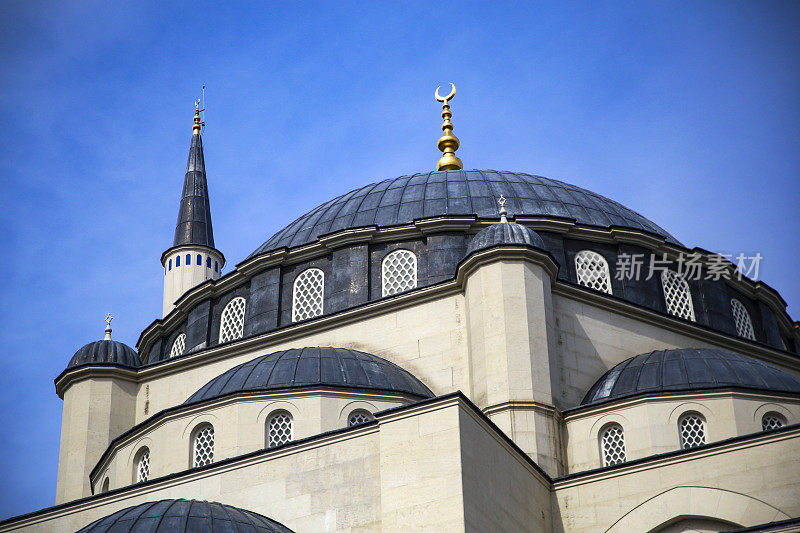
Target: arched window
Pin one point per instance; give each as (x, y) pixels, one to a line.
(170, 264)
(398, 272)
(359, 416)
(231, 323)
(612, 445)
(677, 295)
(592, 271)
(178, 345)
(772, 420)
(142, 465)
(692, 428)
(279, 429)
(203, 445)
(177, 260)
(744, 326)
(199, 260)
(208, 262)
(104, 487)
(188, 260)
(307, 293)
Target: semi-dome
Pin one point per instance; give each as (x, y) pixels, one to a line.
(457, 192)
(318, 366)
(179, 516)
(688, 369)
(106, 352)
(505, 233)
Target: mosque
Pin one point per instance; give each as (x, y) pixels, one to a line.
(456, 350)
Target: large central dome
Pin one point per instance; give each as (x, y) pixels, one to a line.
(457, 192)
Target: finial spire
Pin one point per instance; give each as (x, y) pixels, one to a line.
(197, 125)
(109, 318)
(503, 212)
(448, 143)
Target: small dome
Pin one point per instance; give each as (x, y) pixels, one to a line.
(304, 367)
(179, 516)
(688, 369)
(505, 233)
(106, 352)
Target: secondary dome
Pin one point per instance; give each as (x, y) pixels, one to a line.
(688, 369)
(457, 192)
(336, 367)
(179, 516)
(106, 352)
(505, 233)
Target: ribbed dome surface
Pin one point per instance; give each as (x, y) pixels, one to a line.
(336, 367)
(688, 369)
(106, 352)
(508, 233)
(457, 192)
(189, 516)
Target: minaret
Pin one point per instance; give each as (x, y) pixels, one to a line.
(192, 259)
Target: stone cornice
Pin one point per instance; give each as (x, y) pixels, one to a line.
(677, 456)
(93, 371)
(168, 251)
(520, 405)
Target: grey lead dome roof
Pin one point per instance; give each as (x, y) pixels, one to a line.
(304, 367)
(179, 516)
(505, 233)
(457, 192)
(106, 352)
(688, 369)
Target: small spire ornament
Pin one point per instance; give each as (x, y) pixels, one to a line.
(448, 142)
(197, 124)
(109, 318)
(503, 212)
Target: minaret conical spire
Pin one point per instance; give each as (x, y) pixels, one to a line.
(194, 214)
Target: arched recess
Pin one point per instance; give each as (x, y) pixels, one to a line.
(699, 502)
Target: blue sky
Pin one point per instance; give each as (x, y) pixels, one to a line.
(685, 112)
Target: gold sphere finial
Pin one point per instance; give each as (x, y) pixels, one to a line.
(448, 142)
(197, 124)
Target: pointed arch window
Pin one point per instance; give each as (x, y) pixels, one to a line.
(592, 271)
(279, 429)
(398, 272)
(231, 324)
(203, 445)
(744, 326)
(692, 428)
(677, 295)
(307, 294)
(142, 465)
(178, 346)
(612, 445)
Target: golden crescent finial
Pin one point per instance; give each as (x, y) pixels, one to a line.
(449, 96)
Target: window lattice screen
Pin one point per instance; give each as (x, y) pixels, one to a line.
(612, 443)
(772, 421)
(399, 272)
(358, 417)
(231, 325)
(204, 446)
(677, 295)
(279, 429)
(693, 431)
(143, 467)
(592, 271)
(178, 346)
(744, 326)
(309, 287)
